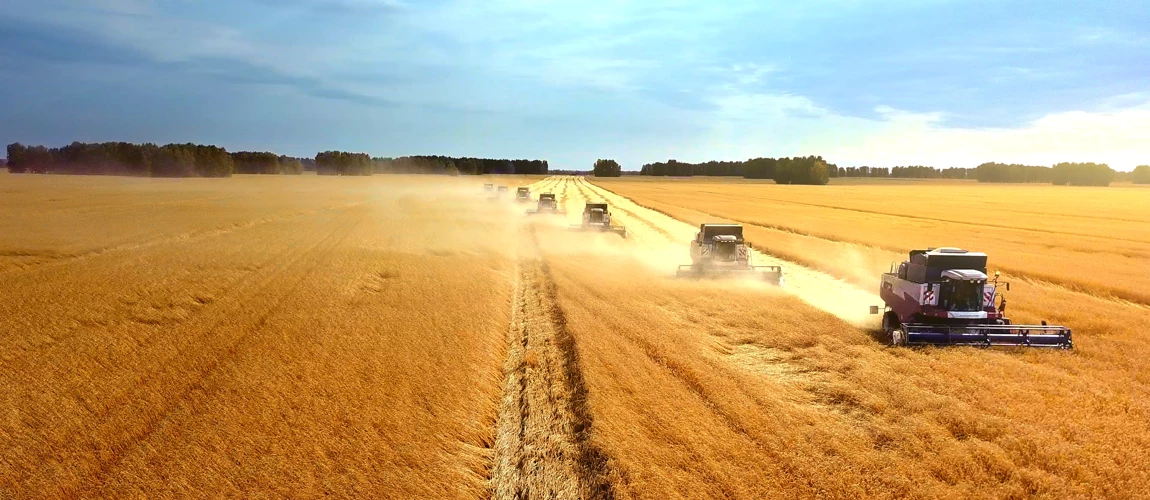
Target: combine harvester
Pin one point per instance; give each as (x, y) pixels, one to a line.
(596, 217)
(942, 296)
(523, 194)
(718, 250)
(547, 205)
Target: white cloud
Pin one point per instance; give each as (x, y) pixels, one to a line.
(745, 125)
(1121, 139)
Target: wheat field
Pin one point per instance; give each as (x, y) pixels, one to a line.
(406, 337)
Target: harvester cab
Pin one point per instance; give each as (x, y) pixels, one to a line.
(943, 296)
(523, 194)
(719, 250)
(597, 217)
(489, 187)
(548, 205)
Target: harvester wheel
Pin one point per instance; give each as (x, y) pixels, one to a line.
(895, 334)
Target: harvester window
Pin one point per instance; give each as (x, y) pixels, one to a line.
(962, 296)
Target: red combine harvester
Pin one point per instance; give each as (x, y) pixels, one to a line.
(942, 296)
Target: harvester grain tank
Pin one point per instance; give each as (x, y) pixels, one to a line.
(547, 205)
(943, 296)
(597, 217)
(719, 250)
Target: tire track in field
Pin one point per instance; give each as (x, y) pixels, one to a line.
(542, 436)
(817, 288)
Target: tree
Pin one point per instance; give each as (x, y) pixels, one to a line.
(17, 158)
(607, 168)
(816, 172)
(1140, 175)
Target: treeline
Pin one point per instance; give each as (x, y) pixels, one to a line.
(192, 160)
(457, 166)
(1001, 172)
(1062, 174)
(683, 169)
(798, 170)
(123, 158)
(343, 163)
(907, 172)
(809, 170)
(248, 162)
(607, 168)
(1081, 174)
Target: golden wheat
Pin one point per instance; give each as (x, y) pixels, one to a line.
(251, 336)
(405, 337)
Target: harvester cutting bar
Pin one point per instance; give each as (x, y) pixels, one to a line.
(773, 274)
(989, 335)
(620, 230)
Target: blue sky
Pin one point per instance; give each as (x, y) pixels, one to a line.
(944, 83)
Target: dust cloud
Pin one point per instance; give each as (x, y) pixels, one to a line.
(819, 289)
(478, 224)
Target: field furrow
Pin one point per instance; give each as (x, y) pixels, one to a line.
(541, 445)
